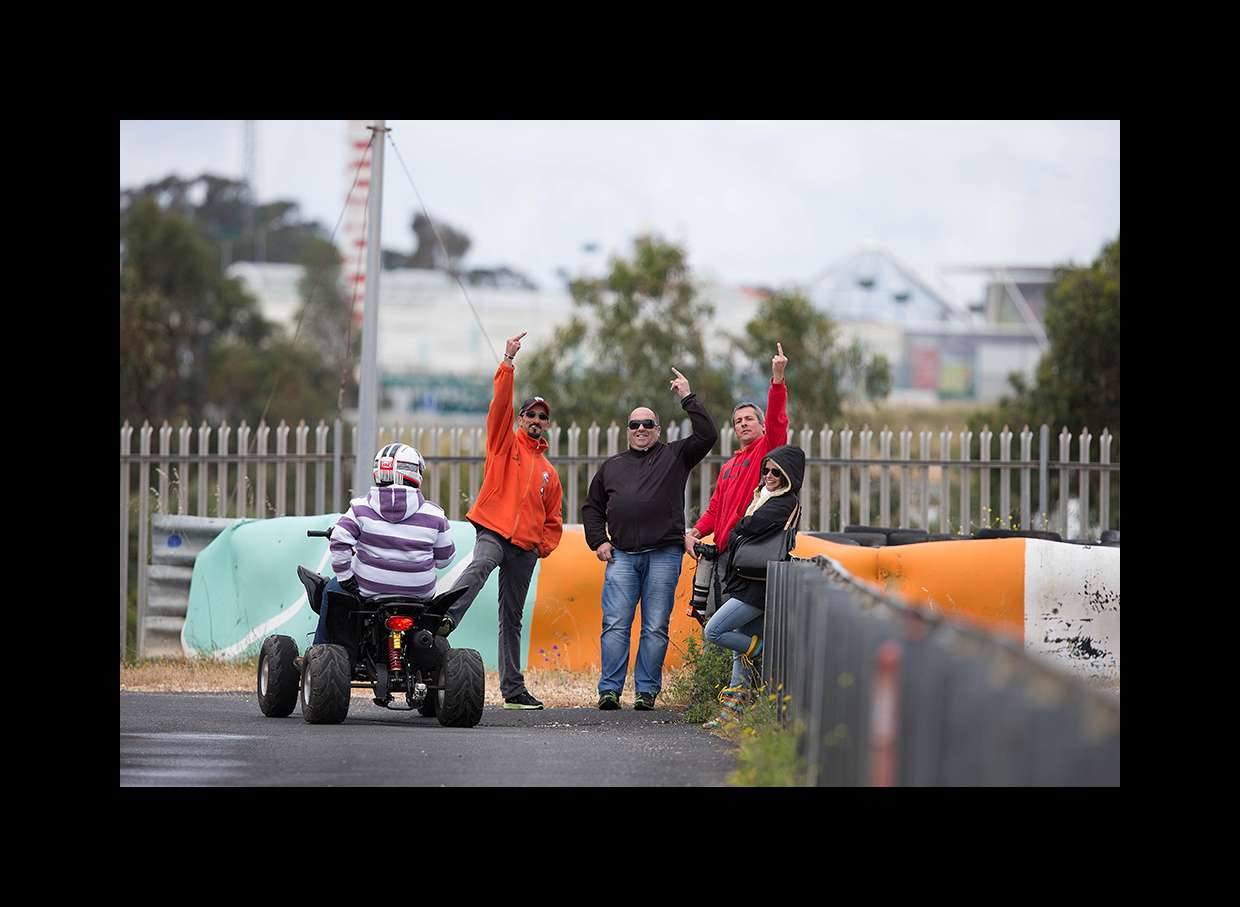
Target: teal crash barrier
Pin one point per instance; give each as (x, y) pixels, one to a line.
(245, 588)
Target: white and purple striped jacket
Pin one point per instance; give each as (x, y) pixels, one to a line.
(392, 541)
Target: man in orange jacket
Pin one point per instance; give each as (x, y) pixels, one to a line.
(517, 518)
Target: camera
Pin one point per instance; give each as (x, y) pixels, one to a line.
(706, 552)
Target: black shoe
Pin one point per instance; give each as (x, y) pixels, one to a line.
(644, 702)
(522, 701)
(608, 701)
(445, 627)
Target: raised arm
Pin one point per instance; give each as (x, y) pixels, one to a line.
(704, 433)
(777, 403)
(501, 413)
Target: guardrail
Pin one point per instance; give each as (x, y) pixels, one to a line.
(163, 585)
(884, 694)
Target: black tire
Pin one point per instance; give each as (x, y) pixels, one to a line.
(325, 685)
(462, 688)
(1017, 534)
(837, 537)
(868, 539)
(277, 677)
(907, 536)
(880, 530)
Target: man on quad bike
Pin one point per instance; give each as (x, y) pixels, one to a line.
(391, 541)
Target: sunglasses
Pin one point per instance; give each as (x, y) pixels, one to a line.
(772, 471)
(537, 414)
(635, 424)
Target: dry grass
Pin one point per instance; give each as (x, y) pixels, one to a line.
(557, 689)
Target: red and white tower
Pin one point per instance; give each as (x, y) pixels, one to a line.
(352, 241)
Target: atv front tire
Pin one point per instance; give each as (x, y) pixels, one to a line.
(325, 685)
(277, 676)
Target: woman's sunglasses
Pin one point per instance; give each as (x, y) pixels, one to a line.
(772, 471)
(635, 424)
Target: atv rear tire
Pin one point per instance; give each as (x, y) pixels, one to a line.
(325, 685)
(462, 688)
(277, 676)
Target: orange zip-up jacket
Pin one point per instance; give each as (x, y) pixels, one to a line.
(520, 495)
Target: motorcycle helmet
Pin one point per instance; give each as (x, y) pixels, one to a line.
(398, 464)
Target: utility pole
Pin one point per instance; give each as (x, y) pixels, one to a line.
(368, 384)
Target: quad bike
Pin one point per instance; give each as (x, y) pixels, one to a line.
(386, 643)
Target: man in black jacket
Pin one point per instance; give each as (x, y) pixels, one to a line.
(634, 519)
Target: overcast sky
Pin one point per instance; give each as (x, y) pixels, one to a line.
(766, 202)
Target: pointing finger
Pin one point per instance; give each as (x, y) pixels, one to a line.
(678, 374)
(780, 347)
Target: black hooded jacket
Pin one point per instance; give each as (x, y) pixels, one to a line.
(767, 519)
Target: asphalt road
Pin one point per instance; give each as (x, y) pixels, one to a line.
(223, 739)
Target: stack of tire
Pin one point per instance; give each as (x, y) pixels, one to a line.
(879, 536)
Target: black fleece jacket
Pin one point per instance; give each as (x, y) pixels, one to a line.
(637, 498)
(767, 519)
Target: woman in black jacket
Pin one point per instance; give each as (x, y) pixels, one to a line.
(737, 625)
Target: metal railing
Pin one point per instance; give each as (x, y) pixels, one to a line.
(883, 694)
(219, 471)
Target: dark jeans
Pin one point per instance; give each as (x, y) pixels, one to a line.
(516, 567)
(320, 632)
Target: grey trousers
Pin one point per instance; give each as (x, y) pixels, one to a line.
(516, 567)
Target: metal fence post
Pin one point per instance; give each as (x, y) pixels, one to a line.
(923, 446)
(204, 449)
(184, 434)
(260, 469)
(1005, 478)
(221, 491)
(866, 435)
(303, 435)
(807, 487)
(574, 434)
(282, 431)
(906, 445)
(845, 478)
(1065, 457)
(1026, 454)
(337, 465)
(320, 467)
(824, 479)
(1044, 475)
(144, 528)
(985, 518)
(884, 481)
(1104, 490)
(945, 501)
(966, 481)
(126, 451)
(165, 448)
(1083, 482)
(243, 472)
(454, 480)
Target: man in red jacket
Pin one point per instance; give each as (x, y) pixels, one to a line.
(758, 436)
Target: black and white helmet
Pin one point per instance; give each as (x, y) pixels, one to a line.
(399, 464)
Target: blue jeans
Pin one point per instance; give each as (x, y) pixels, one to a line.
(320, 632)
(651, 577)
(734, 626)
